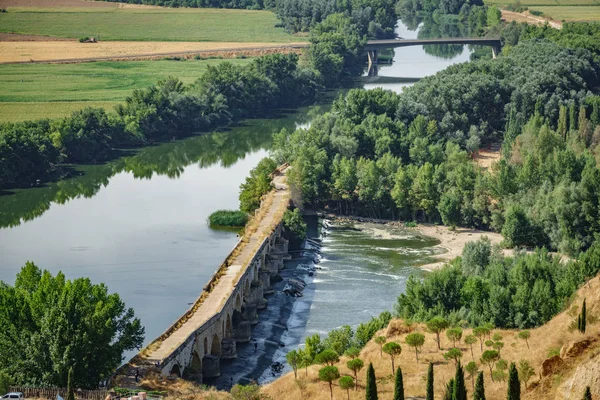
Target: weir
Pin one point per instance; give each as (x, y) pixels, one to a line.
(225, 311)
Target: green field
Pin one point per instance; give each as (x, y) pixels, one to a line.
(161, 24)
(31, 91)
(571, 13)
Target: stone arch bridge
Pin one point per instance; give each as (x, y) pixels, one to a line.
(224, 313)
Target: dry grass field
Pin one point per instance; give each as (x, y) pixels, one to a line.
(557, 10)
(564, 383)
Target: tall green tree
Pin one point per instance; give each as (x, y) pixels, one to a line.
(329, 374)
(371, 387)
(479, 393)
(393, 349)
(293, 359)
(514, 386)
(70, 387)
(355, 365)
(415, 340)
(51, 324)
(399, 385)
(459, 391)
(430, 382)
(437, 325)
(346, 383)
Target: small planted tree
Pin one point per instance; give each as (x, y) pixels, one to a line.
(526, 371)
(393, 349)
(454, 335)
(500, 372)
(371, 388)
(399, 385)
(355, 365)
(437, 325)
(479, 333)
(489, 358)
(472, 369)
(416, 341)
(471, 340)
(293, 358)
(514, 386)
(380, 340)
(327, 357)
(429, 395)
(70, 388)
(449, 390)
(453, 354)
(525, 335)
(329, 374)
(479, 393)
(305, 360)
(497, 337)
(352, 352)
(498, 346)
(346, 383)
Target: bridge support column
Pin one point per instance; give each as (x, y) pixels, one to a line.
(211, 367)
(228, 349)
(257, 295)
(495, 51)
(249, 313)
(242, 329)
(265, 279)
(372, 56)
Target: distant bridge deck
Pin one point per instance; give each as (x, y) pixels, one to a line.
(392, 43)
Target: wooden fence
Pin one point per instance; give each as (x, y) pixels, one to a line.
(50, 393)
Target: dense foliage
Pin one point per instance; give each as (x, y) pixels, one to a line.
(50, 325)
(228, 218)
(523, 291)
(256, 185)
(32, 151)
(409, 155)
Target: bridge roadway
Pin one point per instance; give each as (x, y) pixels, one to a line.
(227, 308)
(392, 43)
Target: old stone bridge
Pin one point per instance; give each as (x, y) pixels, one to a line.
(224, 313)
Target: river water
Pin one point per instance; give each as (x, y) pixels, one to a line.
(139, 224)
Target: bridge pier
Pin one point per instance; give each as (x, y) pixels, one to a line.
(372, 56)
(228, 349)
(495, 51)
(211, 366)
(265, 279)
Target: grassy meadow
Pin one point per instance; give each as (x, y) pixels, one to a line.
(33, 91)
(568, 10)
(147, 24)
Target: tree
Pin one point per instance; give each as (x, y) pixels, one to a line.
(472, 368)
(587, 395)
(380, 340)
(355, 365)
(70, 387)
(371, 388)
(525, 335)
(498, 346)
(305, 360)
(352, 352)
(479, 393)
(327, 357)
(454, 335)
(65, 321)
(5, 382)
(459, 391)
(453, 354)
(500, 372)
(583, 317)
(430, 390)
(293, 221)
(514, 386)
(437, 325)
(489, 358)
(562, 122)
(449, 390)
(480, 332)
(471, 340)
(516, 229)
(329, 374)
(399, 386)
(526, 371)
(393, 349)
(346, 383)
(293, 358)
(415, 340)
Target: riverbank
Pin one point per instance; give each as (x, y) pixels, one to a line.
(451, 241)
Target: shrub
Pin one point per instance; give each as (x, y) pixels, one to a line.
(228, 218)
(84, 39)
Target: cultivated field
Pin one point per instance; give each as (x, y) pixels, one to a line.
(574, 13)
(146, 24)
(34, 91)
(568, 10)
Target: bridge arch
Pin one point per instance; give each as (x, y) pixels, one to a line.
(175, 371)
(196, 364)
(238, 302)
(228, 331)
(215, 346)
(205, 346)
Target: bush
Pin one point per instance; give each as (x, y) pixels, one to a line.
(5, 382)
(293, 221)
(228, 218)
(84, 39)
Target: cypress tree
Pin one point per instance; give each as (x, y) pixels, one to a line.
(562, 122)
(579, 322)
(371, 388)
(479, 393)
(583, 317)
(595, 117)
(399, 386)
(514, 386)
(70, 389)
(588, 394)
(430, 382)
(449, 390)
(572, 117)
(459, 391)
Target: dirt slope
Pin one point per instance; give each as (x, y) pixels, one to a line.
(580, 363)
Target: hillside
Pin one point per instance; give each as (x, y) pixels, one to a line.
(580, 368)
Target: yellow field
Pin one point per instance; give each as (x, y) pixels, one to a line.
(15, 112)
(573, 13)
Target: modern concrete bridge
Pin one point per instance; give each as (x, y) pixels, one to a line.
(225, 311)
(373, 46)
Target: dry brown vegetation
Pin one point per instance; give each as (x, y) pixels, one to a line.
(564, 383)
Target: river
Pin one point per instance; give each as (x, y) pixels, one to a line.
(139, 223)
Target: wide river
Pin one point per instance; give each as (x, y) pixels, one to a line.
(139, 223)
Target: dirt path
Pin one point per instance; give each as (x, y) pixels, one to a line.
(70, 51)
(530, 19)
